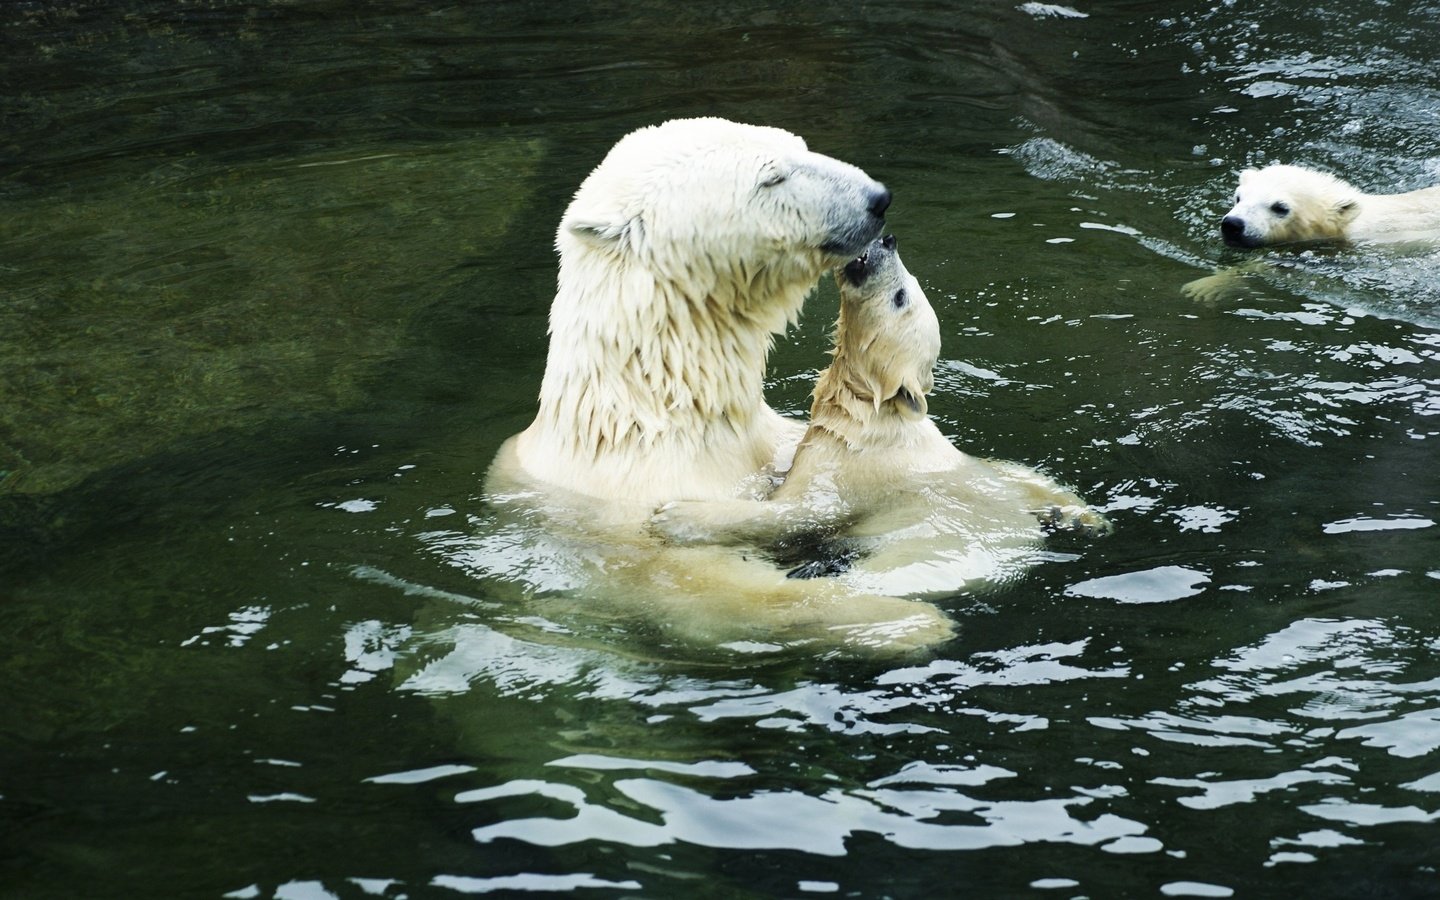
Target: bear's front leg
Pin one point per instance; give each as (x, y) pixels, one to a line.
(1082, 520)
(739, 521)
(1057, 508)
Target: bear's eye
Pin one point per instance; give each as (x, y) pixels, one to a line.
(1280, 209)
(773, 179)
(899, 299)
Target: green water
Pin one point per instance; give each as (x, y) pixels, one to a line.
(273, 288)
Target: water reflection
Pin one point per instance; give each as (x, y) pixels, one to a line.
(767, 819)
(920, 805)
(1267, 728)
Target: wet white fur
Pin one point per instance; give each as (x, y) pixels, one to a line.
(682, 255)
(1322, 207)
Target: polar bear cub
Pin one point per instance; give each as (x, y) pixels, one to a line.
(1282, 204)
(874, 467)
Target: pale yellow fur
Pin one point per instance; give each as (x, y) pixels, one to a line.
(875, 468)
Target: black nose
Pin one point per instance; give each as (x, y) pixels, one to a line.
(1232, 226)
(879, 202)
(888, 242)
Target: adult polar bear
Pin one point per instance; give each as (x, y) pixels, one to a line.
(682, 255)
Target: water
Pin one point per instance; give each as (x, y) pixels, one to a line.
(274, 282)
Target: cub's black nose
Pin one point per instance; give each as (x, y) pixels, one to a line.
(1232, 227)
(879, 202)
(888, 242)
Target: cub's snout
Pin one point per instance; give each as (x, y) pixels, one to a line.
(1232, 231)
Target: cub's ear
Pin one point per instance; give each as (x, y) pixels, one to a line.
(1347, 208)
(912, 401)
(909, 395)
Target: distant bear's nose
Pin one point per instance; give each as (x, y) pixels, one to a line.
(879, 202)
(1232, 226)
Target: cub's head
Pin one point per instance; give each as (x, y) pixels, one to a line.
(718, 209)
(888, 337)
(1288, 205)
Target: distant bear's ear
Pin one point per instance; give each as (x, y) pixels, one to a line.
(1347, 209)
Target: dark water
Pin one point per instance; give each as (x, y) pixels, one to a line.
(273, 285)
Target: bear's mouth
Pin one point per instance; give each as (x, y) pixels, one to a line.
(857, 269)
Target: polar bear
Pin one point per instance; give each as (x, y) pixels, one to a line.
(682, 255)
(1283, 204)
(875, 470)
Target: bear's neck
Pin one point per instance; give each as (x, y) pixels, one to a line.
(1399, 217)
(845, 407)
(639, 367)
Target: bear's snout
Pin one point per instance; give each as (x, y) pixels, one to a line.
(854, 228)
(1232, 229)
(879, 202)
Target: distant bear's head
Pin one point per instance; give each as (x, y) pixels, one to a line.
(1287, 205)
(719, 210)
(888, 337)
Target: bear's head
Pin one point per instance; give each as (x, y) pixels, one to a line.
(720, 211)
(888, 337)
(1288, 205)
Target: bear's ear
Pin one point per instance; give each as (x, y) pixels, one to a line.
(1347, 208)
(907, 391)
(915, 389)
(605, 234)
(911, 402)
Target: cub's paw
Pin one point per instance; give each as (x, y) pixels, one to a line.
(681, 522)
(1211, 289)
(1078, 520)
(1225, 286)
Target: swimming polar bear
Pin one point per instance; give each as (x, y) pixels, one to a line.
(1292, 205)
(1283, 204)
(913, 511)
